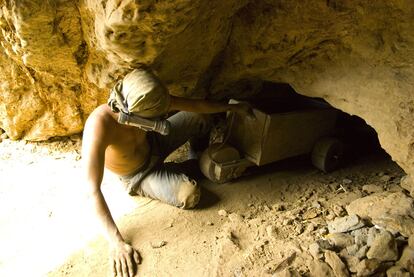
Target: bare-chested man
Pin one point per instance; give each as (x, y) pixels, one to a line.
(137, 156)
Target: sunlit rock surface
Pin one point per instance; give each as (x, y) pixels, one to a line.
(59, 58)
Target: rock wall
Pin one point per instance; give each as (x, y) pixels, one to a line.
(59, 58)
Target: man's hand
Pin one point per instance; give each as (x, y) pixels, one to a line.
(243, 109)
(124, 260)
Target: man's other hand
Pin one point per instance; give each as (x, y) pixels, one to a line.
(243, 109)
(125, 260)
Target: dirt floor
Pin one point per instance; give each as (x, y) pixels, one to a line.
(258, 225)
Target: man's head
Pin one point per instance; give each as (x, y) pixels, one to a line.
(140, 93)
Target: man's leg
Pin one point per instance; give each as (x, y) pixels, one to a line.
(170, 183)
(184, 126)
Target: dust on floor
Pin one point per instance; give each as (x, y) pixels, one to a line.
(260, 225)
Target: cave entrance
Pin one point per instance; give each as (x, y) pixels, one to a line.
(288, 125)
(359, 138)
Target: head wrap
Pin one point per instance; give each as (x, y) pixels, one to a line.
(140, 93)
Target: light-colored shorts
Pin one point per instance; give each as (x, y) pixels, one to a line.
(169, 182)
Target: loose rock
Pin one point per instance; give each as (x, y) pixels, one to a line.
(402, 224)
(385, 178)
(372, 188)
(372, 233)
(351, 262)
(158, 244)
(345, 224)
(222, 213)
(397, 271)
(336, 264)
(319, 268)
(378, 204)
(361, 236)
(341, 240)
(234, 217)
(367, 267)
(407, 259)
(362, 252)
(383, 248)
(286, 273)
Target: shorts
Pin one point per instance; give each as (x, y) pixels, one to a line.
(170, 182)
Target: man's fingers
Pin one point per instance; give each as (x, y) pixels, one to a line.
(118, 268)
(113, 268)
(137, 257)
(130, 266)
(124, 268)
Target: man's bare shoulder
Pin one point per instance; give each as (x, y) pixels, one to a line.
(99, 122)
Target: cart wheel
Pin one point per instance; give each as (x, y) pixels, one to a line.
(218, 153)
(327, 154)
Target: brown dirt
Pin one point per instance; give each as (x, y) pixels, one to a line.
(270, 216)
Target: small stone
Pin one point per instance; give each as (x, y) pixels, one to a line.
(372, 233)
(330, 216)
(367, 267)
(323, 231)
(333, 186)
(339, 268)
(158, 244)
(287, 221)
(278, 207)
(352, 249)
(346, 181)
(325, 244)
(341, 240)
(338, 210)
(209, 223)
(397, 271)
(385, 178)
(271, 231)
(383, 248)
(311, 213)
(407, 183)
(222, 213)
(345, 224)
(407, 259)
(315, 250)
(234, 217)
(351, 262)
(316, 204)
(372, 188)
(319, 268)
(361, 236)
(310, 228)
(287, 272)
(362, 252)
(298, 229)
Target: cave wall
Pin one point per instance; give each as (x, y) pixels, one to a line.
(59, 58)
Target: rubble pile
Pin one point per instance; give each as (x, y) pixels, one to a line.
(375, 238)
(369, 236)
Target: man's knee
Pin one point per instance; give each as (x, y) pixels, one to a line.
(203, 123)
(189, 194)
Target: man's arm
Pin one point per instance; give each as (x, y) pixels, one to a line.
(95, 141)
(206, 106)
